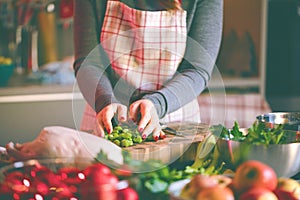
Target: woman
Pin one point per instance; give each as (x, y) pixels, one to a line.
(150, 59)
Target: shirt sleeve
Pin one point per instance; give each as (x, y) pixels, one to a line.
(203, 43)
(91, 62)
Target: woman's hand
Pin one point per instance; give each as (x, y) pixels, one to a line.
(144, 114)
(106, 115)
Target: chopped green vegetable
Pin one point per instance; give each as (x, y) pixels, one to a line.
(124, 136)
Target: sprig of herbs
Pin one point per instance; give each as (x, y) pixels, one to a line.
(258, 133)
(228, 134)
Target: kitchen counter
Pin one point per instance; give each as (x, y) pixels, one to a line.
(25, 110)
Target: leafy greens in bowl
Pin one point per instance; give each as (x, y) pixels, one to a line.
(276, 147)
(257, 134)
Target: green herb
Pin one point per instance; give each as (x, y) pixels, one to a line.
(223, 132)
(258, 133)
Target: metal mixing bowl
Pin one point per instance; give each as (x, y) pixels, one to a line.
(290, 120)
(283, 158)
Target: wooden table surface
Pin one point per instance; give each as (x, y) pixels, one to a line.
(172, 147)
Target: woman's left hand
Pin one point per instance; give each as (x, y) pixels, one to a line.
(144, 113)
(106, 115)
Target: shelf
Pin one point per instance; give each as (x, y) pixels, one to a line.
(39, 93)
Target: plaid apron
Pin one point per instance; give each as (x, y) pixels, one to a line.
(145, 49)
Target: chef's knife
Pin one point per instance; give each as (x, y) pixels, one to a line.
(171, 131)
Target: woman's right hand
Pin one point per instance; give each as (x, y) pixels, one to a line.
(106, 115)
(144, 113)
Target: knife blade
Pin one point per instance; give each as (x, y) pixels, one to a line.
(171, 131)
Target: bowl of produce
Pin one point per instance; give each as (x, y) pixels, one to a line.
(276, 147)
(6, 70)
(59, 178)
(252, 180)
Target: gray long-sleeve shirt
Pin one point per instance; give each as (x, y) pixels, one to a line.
(204, 28)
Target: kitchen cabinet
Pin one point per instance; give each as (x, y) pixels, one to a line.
(241, 61)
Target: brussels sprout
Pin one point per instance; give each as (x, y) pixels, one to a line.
(125, 143)
(138, 139)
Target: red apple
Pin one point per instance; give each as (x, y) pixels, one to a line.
(254, 173)
(258, 193)
(216, 193)
(202, 181)
(197, 183)
(287, 189)
(223, 181)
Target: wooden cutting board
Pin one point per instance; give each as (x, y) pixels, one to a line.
(172, 147)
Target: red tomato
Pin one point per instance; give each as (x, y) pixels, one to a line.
(44, 174)
(127, 194)
(5, 192)
(97, 169)
(39, 187)
(99, 184)
(17, 182)
(60, 191)
(70, 175)
(95, 191)
(254, 174)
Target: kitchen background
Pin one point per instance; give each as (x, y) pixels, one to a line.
(260, 55)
